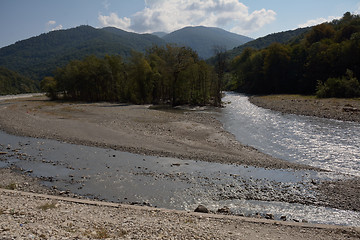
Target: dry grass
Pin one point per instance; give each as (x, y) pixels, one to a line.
(47, 206)
(11, 186)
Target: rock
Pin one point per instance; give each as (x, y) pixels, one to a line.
(269, 216)
(257, 215)
(224, 210)
(201, 209)
(350, 109)
(283, 218)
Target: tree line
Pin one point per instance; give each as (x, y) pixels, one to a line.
(164, 75)
(325, 62)
(14, 83)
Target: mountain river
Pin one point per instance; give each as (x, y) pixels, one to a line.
(183, 184)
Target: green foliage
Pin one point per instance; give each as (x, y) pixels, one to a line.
(324, 54)
(13, 83)
(292, 36)
(319, 32)
(48, 85)
(168, 74)
(346, 87)
(37, 57)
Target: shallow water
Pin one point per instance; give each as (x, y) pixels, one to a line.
(25, 95)
(329, 144)
(168, 182)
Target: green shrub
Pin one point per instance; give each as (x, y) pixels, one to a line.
(345, 87)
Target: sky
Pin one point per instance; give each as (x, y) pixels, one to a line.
(22, 19)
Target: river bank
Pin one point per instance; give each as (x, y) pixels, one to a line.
(333, 108)
(183, 134)
(31, 216)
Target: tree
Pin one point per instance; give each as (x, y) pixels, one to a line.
(140, 77)
(277, 67)
(174, 60)
(49, 85)
(165, 75)
(346, 87)
(319, 32)
(220, 68)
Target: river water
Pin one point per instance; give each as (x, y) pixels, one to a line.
(183, 184)
(329, 144)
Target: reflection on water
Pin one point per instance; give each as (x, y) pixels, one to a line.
(325, 143)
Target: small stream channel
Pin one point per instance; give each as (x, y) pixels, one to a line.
(172, 183)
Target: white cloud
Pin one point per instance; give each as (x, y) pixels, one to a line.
(357, 11)
(50, 25)
(58, 27)
(169, 15)
(317, 21)
(114, 21)
(51, 22)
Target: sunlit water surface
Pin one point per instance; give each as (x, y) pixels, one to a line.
(329, 144)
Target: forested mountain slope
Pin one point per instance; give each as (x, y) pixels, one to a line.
(204, 39)
(13, 83)
(263, 42)
(324, 61)
(39, 56)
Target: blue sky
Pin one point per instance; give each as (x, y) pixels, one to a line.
(21, 19)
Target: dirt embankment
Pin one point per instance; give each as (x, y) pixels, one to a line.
(334, 108)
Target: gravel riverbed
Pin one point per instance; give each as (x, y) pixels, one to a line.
(138, 129)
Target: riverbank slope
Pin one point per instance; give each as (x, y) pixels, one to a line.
(333, 108)
(25, 215)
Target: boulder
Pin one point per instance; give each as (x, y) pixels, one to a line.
(201, 209)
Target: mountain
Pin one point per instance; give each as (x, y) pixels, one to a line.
(204, 39)
(39, 56)
(263, 42)
(160, 34)
(13, 83)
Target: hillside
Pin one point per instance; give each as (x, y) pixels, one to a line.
(324, 61)
(263, 42)
(39, 56)
(204, 39)
(13, 83)
(159, 34)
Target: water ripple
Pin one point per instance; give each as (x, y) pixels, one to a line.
(330, 144)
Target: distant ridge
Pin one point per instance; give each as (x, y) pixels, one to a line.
(204, 39)
(39, 56)
(160, 34)
(263, 42)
